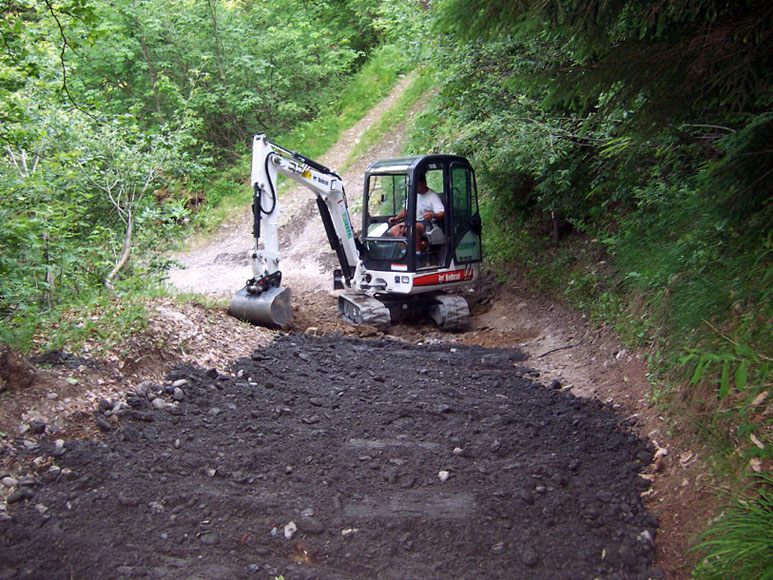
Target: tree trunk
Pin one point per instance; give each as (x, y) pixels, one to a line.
(127, 246)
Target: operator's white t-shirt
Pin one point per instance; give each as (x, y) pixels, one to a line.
(426, 202)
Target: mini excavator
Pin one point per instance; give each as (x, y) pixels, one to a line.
(387, 271)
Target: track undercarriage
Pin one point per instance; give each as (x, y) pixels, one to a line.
(447, 311)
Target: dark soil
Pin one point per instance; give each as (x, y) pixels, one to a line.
(346, 439)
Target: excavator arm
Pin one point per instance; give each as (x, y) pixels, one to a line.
(263, 300)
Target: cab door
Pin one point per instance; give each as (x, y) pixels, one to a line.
(466, 217)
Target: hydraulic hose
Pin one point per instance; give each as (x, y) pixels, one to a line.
(271, 189)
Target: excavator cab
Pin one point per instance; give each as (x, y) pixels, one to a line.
(392, 185)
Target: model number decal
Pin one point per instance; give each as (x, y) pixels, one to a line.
(443, 277)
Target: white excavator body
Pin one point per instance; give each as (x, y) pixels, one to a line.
(385, 273)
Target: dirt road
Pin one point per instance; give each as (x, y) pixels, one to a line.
(336, 452)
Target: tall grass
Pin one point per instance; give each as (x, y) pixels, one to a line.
(739, 545)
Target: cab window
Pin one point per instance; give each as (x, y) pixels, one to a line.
(386, 197)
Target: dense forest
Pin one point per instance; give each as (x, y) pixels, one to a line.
(623, 153)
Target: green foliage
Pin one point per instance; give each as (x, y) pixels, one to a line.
(740, 366)
(737, 545)
(683, 57)
(369, 86)
(225, 71)
(681, 213)
(118, 120)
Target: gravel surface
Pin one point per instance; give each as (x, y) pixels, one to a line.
(338, 458)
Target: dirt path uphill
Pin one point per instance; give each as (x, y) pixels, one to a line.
(220, 267)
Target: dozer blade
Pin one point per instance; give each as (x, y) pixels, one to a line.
(270, 308)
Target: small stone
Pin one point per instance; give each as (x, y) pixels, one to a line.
(212, 373)
(209, 539)
(128, 500)
(10, 481)
(37, 427)
(156, 507)
(21, 493)
(103, 425)
(458, 451)
(498, 548)
(178, 394)
(529, 557)
(555, 384)
(104, 406)
(289, 530)
(645, 537)
(443, 475)
(180, 383)
(159, 403)
(310, 525)
(143, 387)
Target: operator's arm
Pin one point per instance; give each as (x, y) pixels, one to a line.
(436, 211)
(396, 218)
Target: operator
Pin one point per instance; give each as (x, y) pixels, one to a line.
(429, 206)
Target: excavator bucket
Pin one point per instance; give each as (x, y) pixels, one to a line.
(269, 308)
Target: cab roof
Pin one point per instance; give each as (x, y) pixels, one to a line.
(412, 163)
